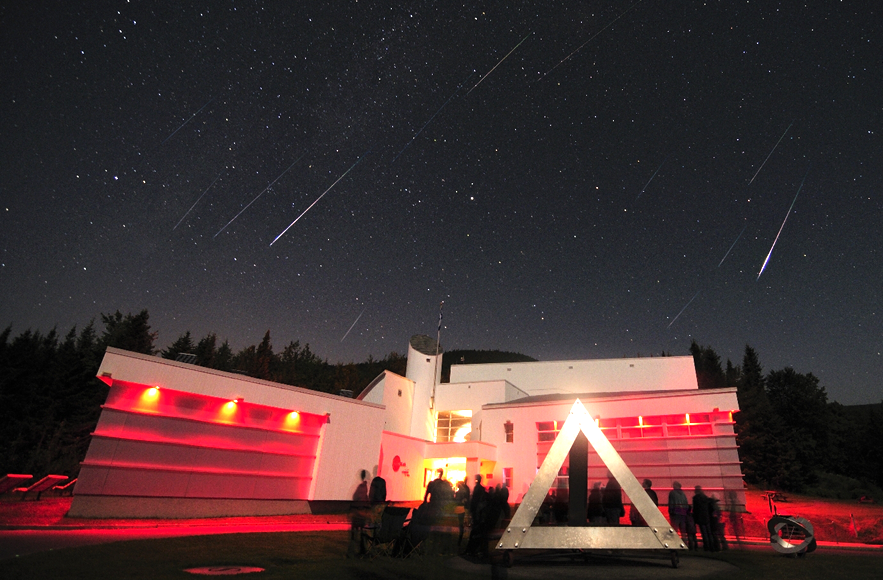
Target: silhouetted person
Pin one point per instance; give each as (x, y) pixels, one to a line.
(735, 516)
(718, 526)
(358, 515)
(702, 517)
(461, 499)
(377, 491)
(612, 500)
(440, 495)
(678, 507)
(478, 508)
(691, 530)
(648, 487)
(634, 515)
(416, 531)
(596, 506)
(503, 499)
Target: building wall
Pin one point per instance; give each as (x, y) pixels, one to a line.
(402, 466)
(424, 368)
(185, 450)
(587, 376)
(702, 452)
(396, 394)
(472, 396)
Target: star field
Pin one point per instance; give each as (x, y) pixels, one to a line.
(573, 180)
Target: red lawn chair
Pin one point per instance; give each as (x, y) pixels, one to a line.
(40, 486)
(11, 480)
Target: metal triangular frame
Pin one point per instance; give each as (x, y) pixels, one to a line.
(657, 535)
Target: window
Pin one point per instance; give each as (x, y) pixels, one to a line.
(453, 426)
(548, 430)
(507, 477)
(510, 435)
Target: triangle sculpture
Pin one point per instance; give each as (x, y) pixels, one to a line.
(657, 535)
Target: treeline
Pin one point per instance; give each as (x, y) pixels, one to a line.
(295, 364)
(50, 398)
(790, 436)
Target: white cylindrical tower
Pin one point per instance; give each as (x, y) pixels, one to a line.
(423, 370)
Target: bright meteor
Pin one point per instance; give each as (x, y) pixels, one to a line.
(684, 308)
(257, 196)
(197, 201)
(353, 324)
(431, 118)
(652, 176)
(593, 37)
(770, 155)
(765, 262)
(498, 64)
(732, 246)
(320, 197)
(187, 121)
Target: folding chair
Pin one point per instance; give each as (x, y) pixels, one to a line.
(381, 540)
(415, 534)
(413, 541)
(41, 486)
(11, 480)
(67, 488)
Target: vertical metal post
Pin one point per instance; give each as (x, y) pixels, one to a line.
(437, 346)
(578, 481)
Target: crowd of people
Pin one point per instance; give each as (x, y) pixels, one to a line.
(483, 509)
(702, 515)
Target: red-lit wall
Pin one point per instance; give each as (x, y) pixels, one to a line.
(165, 443)
(671, 436)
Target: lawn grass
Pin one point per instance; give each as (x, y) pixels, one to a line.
(766, 563)
(309, 555)
(320, 555)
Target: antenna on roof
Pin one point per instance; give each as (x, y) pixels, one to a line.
(437, 339)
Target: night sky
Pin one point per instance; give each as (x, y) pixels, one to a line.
(572, 179)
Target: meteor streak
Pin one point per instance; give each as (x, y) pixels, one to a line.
(770, 155)
(320, 197)
(732, 246)
(609, 24)
(257, 196)
(652, 176)
(684, 308)
(765, 262)
(354, 324)
(187, 121)
(197, 201)
(431, 118)
(498, 64)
